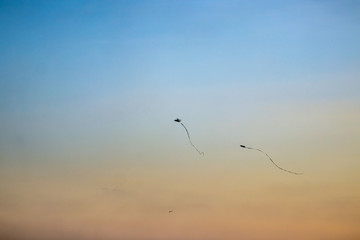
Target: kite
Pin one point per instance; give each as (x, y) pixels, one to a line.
(271, 160)
(179, 121)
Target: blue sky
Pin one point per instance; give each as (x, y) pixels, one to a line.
(59, 50)
(64, 60)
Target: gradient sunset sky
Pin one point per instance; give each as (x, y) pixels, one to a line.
(89, 91)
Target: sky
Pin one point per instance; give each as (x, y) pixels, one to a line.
(89, 91)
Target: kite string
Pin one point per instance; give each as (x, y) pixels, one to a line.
(201, 153)
(274, 162)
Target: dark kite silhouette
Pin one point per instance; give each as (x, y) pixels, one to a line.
(179, 121)
(271, 160)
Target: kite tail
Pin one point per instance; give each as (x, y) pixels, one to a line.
(201, 153)
(274, 162)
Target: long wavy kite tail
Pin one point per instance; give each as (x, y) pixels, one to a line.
(296, 173)
(201, 153)
(188, 135)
